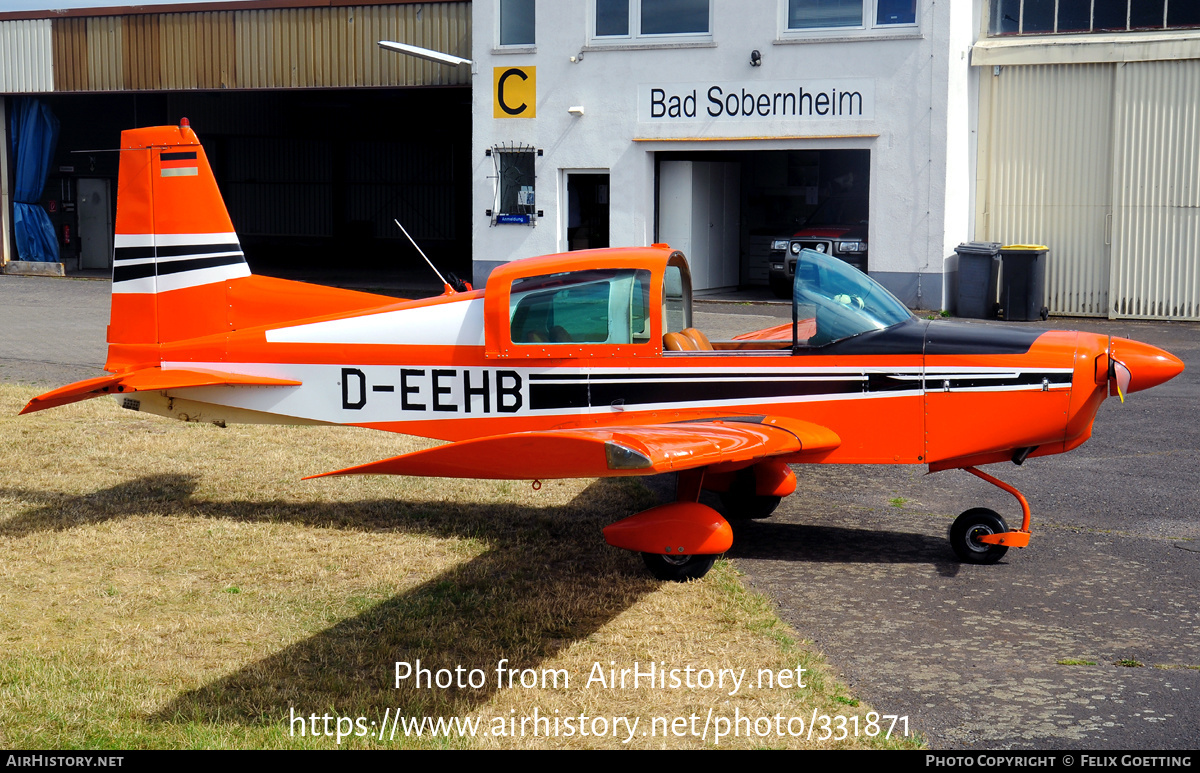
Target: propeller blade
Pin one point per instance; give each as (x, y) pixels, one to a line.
(1120, 372)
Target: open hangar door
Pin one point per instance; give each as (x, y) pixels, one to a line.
(312, 178)
(725, 209)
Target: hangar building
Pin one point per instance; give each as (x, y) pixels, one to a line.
(718, 127)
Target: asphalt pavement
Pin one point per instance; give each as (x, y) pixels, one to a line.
(1088, 639)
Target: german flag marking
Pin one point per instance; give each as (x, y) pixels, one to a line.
(182, 164)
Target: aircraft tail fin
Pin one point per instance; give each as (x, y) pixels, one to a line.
(175, 247)
(178, 268)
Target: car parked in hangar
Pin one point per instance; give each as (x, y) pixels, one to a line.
(837, 227)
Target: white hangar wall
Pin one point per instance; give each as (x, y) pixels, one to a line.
(911, 92)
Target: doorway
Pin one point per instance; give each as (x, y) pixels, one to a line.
(95, 223)
(587, 210)
(729, 210)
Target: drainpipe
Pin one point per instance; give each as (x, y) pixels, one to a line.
(5, 193)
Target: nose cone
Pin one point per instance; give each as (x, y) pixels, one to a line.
(1148, 365)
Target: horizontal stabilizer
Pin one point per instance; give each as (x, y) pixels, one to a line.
(146, 380)
(607, 451)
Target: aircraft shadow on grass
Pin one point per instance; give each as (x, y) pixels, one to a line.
(547, 582)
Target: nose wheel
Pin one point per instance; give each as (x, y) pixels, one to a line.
(980, 535)
(968, 530)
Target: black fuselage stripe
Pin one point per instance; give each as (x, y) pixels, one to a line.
(551, 396)
(547, 396)
(1023, 379)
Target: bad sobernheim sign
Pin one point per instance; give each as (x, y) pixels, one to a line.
(807, 100)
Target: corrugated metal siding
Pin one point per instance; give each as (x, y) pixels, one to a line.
(413, 183)
(197, 50)
(140, 50)
(260, 49)
(279, 186)
(70, 54)
(104, 42)
(1048, 177)
(26, 58)
(1156, 215)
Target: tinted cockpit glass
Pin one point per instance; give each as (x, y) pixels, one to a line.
(600, 306)
(845, 301)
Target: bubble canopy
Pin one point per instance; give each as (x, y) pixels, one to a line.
(844, 301)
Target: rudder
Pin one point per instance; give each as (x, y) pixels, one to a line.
(175, 247)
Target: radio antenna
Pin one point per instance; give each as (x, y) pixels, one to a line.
(449, 288)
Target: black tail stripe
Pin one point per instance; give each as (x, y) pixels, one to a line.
(135, 253)
(175, 266)
(136, 271)
(178, 156)
(197, 249)
(132, 253)
(140, 270)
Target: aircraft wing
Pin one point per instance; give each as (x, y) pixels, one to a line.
(146, 380)
(595, 452)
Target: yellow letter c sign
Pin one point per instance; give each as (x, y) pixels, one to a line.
(515, 92)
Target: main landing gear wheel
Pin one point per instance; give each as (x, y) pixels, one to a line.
(741, 503)
(969, 527)
(739, 506)
(678, 568)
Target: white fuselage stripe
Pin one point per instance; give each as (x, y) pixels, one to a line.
(363, 394)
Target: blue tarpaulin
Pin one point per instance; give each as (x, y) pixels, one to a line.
(34, 134)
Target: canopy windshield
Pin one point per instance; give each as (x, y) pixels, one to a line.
(844, 301)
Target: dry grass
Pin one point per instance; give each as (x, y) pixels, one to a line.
(175, 585)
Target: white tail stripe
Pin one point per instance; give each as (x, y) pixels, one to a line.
(143, 285)
(177, 281)
(133, 240)
(173, 240)
(202, 276)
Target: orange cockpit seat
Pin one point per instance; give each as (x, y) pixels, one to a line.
(698, 338)
(678, 342)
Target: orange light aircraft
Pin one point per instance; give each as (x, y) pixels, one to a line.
(587, 365)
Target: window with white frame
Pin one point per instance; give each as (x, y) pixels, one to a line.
(517, 25)
(632, 19)
(1045, 17)
(825, 15)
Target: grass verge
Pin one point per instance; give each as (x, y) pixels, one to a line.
(172, 585)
